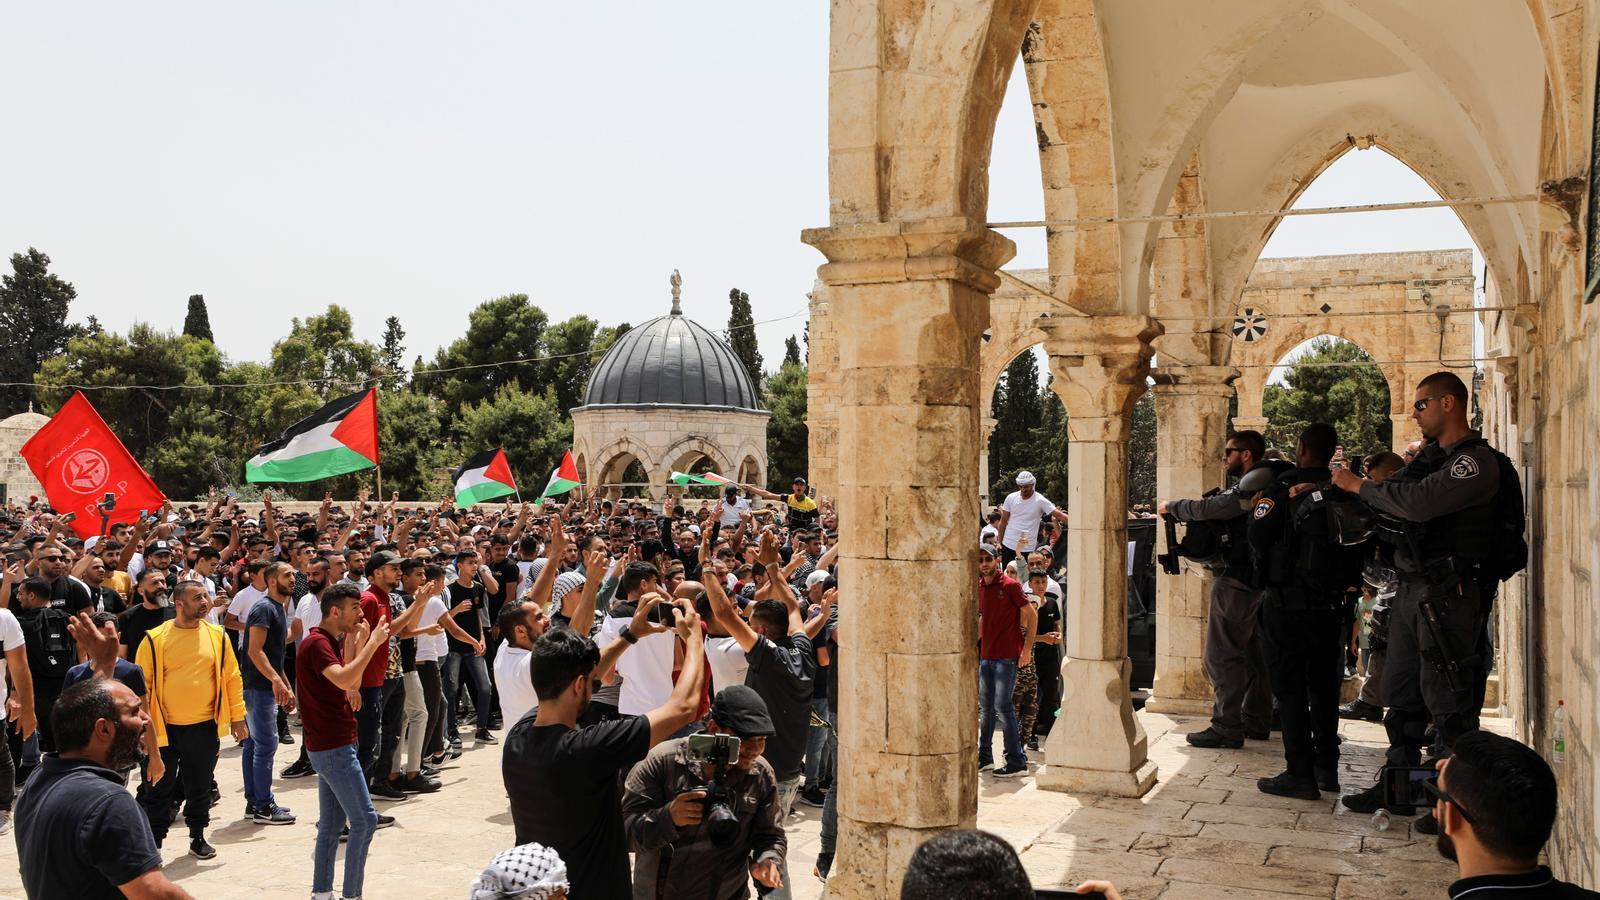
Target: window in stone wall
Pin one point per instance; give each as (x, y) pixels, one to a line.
(1593, 267)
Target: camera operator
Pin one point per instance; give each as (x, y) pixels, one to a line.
(1306, 575)
(1235, 663)
(1495, 800)
(699, 821)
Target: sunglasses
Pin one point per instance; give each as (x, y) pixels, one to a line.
(1422, 404)
(1433, 789)
(1229, 451)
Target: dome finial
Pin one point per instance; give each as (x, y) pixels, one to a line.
(677, 289)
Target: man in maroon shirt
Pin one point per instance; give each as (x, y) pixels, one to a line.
(383, 576)
(1006, 630)
(328, 669)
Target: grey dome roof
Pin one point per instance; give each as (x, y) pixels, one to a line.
(671, 360)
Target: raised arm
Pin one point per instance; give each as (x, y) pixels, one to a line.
(544, 583)
(727, 616)
(347, 675)
(679, 710)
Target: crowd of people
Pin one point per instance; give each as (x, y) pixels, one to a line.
(658, 678)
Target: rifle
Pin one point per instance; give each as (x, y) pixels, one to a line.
(1447, 663)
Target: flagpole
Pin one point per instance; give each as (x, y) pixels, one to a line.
(380, 483)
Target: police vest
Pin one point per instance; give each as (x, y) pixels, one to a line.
(1465, 536)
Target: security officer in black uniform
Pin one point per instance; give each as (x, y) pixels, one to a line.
(1234, 660)
(1445, 500)
(1306, 577)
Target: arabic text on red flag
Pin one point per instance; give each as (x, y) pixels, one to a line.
(78, 460)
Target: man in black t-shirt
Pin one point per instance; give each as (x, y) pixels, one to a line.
(66, 592)
(79, 832)
(564, 781)
(151, 610)
(466, 600)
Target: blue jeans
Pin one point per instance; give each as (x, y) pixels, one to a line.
(997, 679)
(341, 795)
(821, 746)
(483, 699)
(261, 717)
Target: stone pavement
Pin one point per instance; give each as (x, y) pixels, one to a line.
(1203, 831)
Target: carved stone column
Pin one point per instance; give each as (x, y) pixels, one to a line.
(1251, 423)
(988, 422)
(1098, 367)
(909, 302)
(1191, 429)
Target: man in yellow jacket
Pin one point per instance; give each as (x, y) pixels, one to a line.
(195, 696)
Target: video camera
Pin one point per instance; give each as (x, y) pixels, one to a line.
(719, 751)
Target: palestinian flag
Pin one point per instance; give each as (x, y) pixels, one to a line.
(484, 476)
(338, 438)
(710, 478)
(563, 479)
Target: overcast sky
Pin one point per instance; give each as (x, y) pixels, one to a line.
(413, 159)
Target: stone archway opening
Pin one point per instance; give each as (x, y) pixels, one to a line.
(695, 462)
(624, 475)
(1024, 428)
(1334, 380)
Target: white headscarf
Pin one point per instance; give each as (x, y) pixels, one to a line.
(525, 872)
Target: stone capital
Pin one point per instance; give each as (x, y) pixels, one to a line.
(952, 249)
(1100, 365)
(1180, 380)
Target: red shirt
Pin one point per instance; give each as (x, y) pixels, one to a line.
(375, 609)
(324, 712)
(1000, 631)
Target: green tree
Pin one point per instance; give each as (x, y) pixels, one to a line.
(1142, 452)
(197, 323)
(569, 348)
(791, 351)
(1017, 412)
(498, 330)
(324, 349)
(742, 336)
(392, 353)
(1047, 449)
(788, 449)
(33, 317)
(529, 426)
(1333, 381)
(416, 458)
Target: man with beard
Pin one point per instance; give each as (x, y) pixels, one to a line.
(523, 622)
(79, 832)
(563, 780)
(196, 696)
(66, 592)
(1495, 800)
(149, 610)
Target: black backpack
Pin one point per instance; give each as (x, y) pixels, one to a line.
(1508, 551)
(51, 650)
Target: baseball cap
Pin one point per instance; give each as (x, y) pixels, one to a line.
(157, 547)
(816, 578)
(986, 548)
(741, 710)
(380, 559)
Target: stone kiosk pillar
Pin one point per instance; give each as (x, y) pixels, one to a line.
(1191, 430)
(909, 302)
(1098, 366)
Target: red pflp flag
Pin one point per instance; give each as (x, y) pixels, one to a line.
(79, 461)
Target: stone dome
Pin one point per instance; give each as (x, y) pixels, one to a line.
(670, 361)
(29, 421)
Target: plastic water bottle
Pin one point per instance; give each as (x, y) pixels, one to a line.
(1380, 820)
(1558, 750)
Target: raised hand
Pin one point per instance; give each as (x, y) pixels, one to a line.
(99, 643)
(641, 626)
(594, 564)
(685, 620)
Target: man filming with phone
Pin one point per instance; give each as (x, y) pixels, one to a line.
(702, 811)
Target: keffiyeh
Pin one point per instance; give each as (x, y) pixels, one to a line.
(525, 872)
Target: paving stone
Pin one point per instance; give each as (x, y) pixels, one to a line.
(1343, 821)
(1277, 836)
(1357, 863)
(1171, 808)
(1189, 794)
(1183, 890)
(1386, 887)
(1269, 878)
(1254, 797)
(1202, 848)
(1243, 815)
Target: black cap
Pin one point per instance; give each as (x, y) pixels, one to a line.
(741, 710)
(799, 479)
(380, 559)
(158, 547)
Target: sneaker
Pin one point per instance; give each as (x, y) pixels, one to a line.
(1426, 824)
(813, 796)
(1011, 771)
(455, 751)
(824, 863)
(200, 849)
(1361, 709)
(984, 764)
(1285, 785)
(285, 737)
(482, 736)
(428, 771)
(455, 743)
(1371, 800)
(418, 784)
(1033, 744)
(300, 768)
(216, 796)
(384, 789)
(5, 821)
(272, 815)
(1211, 738)
(383, 822)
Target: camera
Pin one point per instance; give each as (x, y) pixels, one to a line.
(719, 751)
(1408, 785)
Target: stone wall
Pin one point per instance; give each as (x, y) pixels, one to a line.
(664, 438)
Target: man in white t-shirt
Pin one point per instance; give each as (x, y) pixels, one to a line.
(646, 669)
(245, 599)
(1020, 516)
(14, 647)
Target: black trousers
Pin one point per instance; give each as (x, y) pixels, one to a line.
(191, 759)
(1305, 652)
(1047, 663)
(1415, 684)
(45, 692)
(433, 690)
(394, 716)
